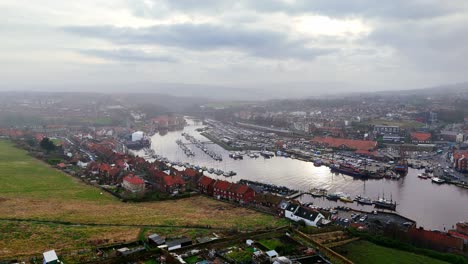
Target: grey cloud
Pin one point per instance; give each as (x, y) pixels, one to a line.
(207, 37)
(127, 55)
(436, 45)
(409, 9)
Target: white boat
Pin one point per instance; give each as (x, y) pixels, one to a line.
(438, 180)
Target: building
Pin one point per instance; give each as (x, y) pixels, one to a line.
(220, 189)
(173, 184)
(133, 184)
(178, 243)
(382, 129)
(137, 136)
(296, 212)
(50, 257)
(344, 143)
(460, 161)
(448, 135)
(243, 194)
(392, 138)
(421, 137)
(462, 227)
(206, 185)
(272, 254)
(156, 240)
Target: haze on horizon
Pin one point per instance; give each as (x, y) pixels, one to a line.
(342, 46)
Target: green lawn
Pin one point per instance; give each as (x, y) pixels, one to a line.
(271, 244)
(21, 174)
(366, 252)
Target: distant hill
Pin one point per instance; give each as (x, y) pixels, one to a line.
(293, 90)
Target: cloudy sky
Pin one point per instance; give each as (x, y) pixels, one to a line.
(398, 44)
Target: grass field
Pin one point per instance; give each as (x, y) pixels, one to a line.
(31, 189)
(402, 123)
(44, 236)
(366, 252)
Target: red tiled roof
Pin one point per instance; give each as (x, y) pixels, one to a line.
(206, 181)
(173, 180)
(349, 143)
(222, 185)
(421, 136)
(133, 179)
(242, 189)
(113, 171)
(233, 188)
(158, 173)
(61, 165)
(459, 154)
(190, 172)
(457, 234)
(104, 167)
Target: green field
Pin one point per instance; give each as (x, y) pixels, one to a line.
(366, 252)
(32, 190)
(22, 175)
(403, 123)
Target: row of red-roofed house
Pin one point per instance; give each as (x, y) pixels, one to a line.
(226, 190)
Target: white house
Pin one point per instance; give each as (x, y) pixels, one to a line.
(297, 213)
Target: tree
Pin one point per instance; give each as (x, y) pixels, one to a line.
(47, 144)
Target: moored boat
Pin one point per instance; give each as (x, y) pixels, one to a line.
(385, 204)
(348, 170)
(333, 196)
(364, 200)
(438, 180)
(422, 176)
(346, 199)
(318, 192)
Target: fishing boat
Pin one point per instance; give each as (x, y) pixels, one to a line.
(267, 154)
(346, 199)
(334, 196)
(438, 180)
(218, 172)
(422, 176)
(211, 170)
(364, 200)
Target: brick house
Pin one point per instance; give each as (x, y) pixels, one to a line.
(244, 194)
(173, 184)
(220, 189)
(206, 185)
(460, 161)
(133, 184)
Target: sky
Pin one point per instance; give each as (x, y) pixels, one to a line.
(314, 44)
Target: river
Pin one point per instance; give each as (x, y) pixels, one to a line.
(431, 205)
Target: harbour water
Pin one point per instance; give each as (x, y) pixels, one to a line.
(431, 205)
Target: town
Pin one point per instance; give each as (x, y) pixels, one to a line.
(140, 155)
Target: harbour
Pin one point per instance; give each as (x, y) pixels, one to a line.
(431, 205)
